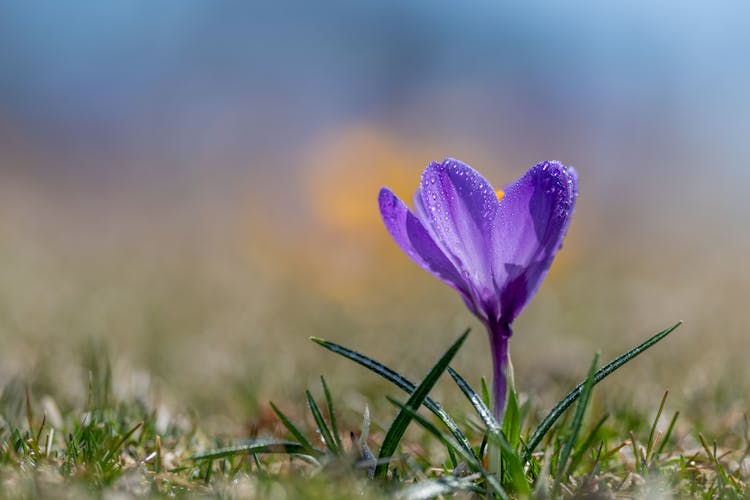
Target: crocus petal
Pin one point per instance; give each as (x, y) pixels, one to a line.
(531, 222)
(410, 235)
(458, 208)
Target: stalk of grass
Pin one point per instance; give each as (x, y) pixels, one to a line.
(294, 431)
(575, 427)
(476, 401)
(448, 441)
(498, 437)
(586, 444)
(331, 414)
(547, 422)
(320, 422)
(401, 422)
(399, 381)
(254, 447)
(667, 435)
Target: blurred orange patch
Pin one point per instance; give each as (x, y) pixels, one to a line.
(347, 168)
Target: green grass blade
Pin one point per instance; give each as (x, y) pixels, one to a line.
(402, 420)
(320, 422)
(294, 431)
(450, 442)
(575, 426)
(512, 465)
(486, 393)
(399, 381)
(587, 443)
(114, 449)
(512, 419)
(260, 446)
(548, 421)
(652, 433)
(331, 414)
(667, 435)
(476, 401)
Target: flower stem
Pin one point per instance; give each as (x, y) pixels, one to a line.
(501, 371)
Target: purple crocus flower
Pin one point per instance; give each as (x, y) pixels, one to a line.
(493, 247)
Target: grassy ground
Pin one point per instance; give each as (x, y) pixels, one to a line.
(139, 446)
(126, 356)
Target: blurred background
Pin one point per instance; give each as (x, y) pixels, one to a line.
(190, 187)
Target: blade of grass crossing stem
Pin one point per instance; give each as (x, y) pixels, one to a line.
(548, 421)
(401, 422)
(491, 425)
(512, 465)
(294, 431)
(486, 393)
(331, 414)
(450, 442)
(476, 401)
(399, 381)
(575, 426)
(323, 429)
(512, 420)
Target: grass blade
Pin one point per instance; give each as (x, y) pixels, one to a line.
(449, 442)
(548, 421)
(512, 464)
(402, 420)
(323, 429)
(667, 435)
(587, 443)
(399, 381)
(652, 433)
(476, 401)
(331, 414)
(261, 446)
(512, 419)
(294, 431)
(575, 426)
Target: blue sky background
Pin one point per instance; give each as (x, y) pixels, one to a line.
(649, 100)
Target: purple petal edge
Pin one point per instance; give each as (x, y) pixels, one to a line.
(533, 218)
(414, 240)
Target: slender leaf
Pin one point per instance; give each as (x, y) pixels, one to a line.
(399, 381)
(587, 443)
(252, 447)
(512, 464)
(295, 431)
(576, 424)
(650, 443)
(116, 447)
(486, 393)
(483, 412)
(512, 419)
(323, 429)
(546, 424)
(667, 434)
(402, 420)
(495, 436)
(450, 442)
(331, 414)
